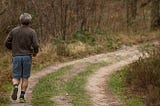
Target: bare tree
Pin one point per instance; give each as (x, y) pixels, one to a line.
(155, 14)
(131, 7)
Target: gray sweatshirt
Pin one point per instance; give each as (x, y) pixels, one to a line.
(22, 40)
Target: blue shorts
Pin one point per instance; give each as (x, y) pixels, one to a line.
(21, 66)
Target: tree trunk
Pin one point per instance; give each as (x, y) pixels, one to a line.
(131, 7)
(155, 15)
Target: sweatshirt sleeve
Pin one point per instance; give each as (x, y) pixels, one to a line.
(8, 41)
(35, 43)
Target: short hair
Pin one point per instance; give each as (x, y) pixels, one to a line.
(25, 18)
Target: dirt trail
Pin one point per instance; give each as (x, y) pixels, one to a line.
(96, 86)
(113, 57)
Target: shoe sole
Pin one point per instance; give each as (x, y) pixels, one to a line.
(14, 94)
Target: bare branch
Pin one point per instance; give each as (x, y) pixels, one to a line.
(4, 4)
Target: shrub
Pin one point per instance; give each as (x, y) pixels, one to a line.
(143, 76)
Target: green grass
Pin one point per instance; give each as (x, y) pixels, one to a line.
(76, 86)
(117, 87)
(47, 87)
(5, 88)
(54, 85)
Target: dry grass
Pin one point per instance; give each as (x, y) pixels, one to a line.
(45, 57)
(79, 49)
(138, 38)
(5, 68)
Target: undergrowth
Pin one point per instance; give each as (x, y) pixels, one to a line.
(143, 78)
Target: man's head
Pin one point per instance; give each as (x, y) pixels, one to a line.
(25, 18)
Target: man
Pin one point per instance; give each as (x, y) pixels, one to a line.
(24, 44)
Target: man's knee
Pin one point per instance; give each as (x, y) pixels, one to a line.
(15, 80)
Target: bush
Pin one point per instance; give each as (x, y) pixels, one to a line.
(85, 37)
(143, 77)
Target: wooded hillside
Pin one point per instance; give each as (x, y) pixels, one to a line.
(63, 18)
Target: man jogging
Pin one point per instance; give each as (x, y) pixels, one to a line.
(24, 44)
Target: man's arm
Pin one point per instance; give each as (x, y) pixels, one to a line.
(8, 41)
(35, 44)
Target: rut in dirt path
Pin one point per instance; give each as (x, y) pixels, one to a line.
(109, 57)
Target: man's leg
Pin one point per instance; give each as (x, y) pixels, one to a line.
(24, 86)
(27, 62)
(15, 82)
(16, 74)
